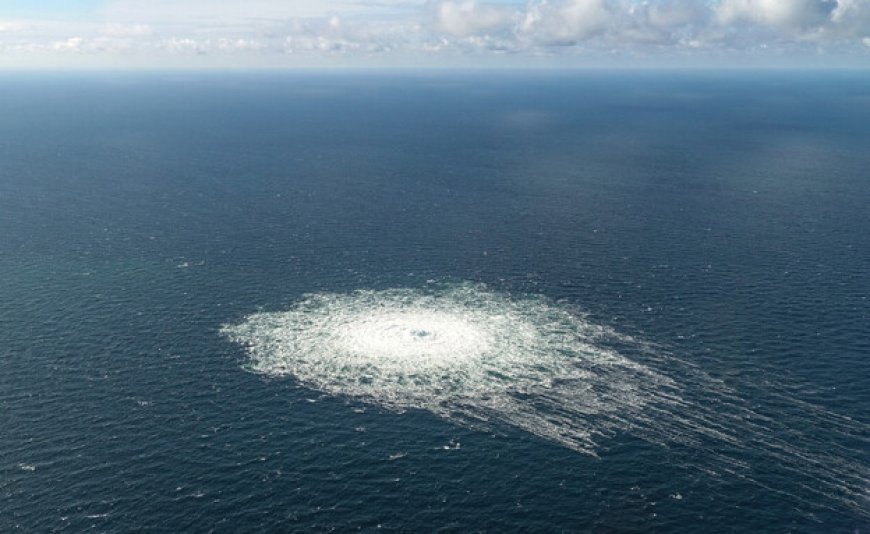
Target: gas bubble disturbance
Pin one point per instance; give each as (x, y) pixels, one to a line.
(459, 351)
(482, 358)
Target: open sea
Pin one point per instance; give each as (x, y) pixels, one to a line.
(435, 301)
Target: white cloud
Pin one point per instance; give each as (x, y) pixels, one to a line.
(72, 44)
(470, 17)
(671, 14)
(852, 18)
(443, 32)
(184, 45)
(779, 13)
(238, 45)
(665, 22)
(564, 22)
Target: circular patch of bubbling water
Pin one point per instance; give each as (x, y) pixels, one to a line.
(418, 337)
(462, 352)
(483, 358)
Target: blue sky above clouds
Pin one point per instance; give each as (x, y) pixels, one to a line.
(432, 33)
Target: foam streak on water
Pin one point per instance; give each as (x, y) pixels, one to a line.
(483, 358)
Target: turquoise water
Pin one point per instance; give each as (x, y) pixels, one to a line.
(644, 298)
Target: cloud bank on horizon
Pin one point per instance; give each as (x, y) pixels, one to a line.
(440, 33)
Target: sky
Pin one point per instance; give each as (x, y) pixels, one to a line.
(263, 34)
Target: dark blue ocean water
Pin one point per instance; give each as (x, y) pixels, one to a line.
(720, 217)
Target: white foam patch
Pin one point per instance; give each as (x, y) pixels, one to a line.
(460, 352)
(483, 358)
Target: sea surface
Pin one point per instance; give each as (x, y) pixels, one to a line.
(654, 285)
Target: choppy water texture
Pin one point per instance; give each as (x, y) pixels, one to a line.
(607, 302)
